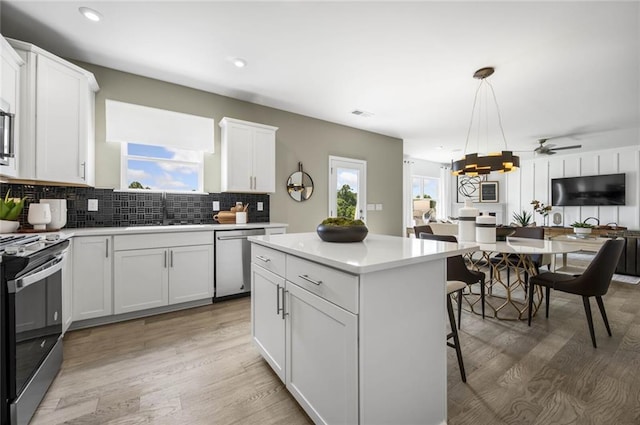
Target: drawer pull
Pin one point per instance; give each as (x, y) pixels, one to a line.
(308, 279)
(261, 258)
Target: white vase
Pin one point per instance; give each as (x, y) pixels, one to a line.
(39, 216)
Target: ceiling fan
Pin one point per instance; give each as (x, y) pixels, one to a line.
(550, 149)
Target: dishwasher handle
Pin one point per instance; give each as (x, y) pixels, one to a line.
(230, 238)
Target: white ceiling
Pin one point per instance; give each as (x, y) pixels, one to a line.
(562, 68)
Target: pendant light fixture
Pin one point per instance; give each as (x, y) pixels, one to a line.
(474, 164)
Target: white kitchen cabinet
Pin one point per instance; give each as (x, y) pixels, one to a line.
(141, 279)
(322, 357)
(302, 331)
(92, 277)
(155, 270)
(190, 273)
(267, 317)
(10, 99)
(248, 159)
(57, 118)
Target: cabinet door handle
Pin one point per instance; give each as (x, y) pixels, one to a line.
(283, 302)
(171, 263)
(106, 251)
(278, 309)
(250, 183)
(165, 259)
(84, 170)
(255, 183)
(261, 258)
(308, 279)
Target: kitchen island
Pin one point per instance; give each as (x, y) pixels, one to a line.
(355, 330)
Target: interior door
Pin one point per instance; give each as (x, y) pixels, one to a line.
(347, 188)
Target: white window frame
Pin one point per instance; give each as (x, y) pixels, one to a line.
(361, 166)
(124, 164)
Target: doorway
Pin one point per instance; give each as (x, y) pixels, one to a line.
(347, 188)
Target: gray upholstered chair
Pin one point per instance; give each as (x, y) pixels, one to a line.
(594, 282)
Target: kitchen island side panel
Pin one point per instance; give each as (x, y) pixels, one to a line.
(403, 362)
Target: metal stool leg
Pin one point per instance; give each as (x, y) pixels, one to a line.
(456, 340)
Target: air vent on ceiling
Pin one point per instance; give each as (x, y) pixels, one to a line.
(363, 114)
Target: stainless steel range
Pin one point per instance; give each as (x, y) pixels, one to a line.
(30, 322)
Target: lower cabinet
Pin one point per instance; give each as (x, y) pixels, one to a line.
(148, 275)
(67, 288)
(141, 280)
(322, 357)
(267, 317)
(311, 343)
(92, 284)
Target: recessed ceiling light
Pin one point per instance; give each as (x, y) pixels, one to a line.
(439, 147)
(239, 62)
(90, 14)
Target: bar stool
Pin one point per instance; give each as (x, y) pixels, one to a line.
(455, 286)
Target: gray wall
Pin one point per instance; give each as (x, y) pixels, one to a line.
(299, 138)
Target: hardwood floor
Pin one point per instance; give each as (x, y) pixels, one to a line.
(199, 367)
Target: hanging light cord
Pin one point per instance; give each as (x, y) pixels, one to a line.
(473, 110)
(499, 116)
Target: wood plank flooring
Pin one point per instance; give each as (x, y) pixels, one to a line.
(199, 367)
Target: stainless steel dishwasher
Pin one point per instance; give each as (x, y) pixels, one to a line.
(233, 261)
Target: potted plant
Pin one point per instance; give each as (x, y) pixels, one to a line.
(10, 210)
(342, 229)
(522, 219)
(582, 228)
(542, 209)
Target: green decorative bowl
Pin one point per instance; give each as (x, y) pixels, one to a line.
(342, 233)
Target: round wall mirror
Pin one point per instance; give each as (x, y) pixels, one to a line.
(300, 185)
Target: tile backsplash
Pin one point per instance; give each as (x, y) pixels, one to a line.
(122, 209)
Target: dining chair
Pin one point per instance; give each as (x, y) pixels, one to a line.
(455, 286)
(594, 282)
(457, 271)
(421, 229)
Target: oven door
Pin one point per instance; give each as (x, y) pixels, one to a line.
(35, 321)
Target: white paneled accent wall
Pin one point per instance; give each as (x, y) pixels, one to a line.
(533, 181)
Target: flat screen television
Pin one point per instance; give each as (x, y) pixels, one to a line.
(607, 189)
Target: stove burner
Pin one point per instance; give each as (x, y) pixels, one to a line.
(15, 242)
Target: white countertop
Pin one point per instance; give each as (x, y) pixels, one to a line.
(107, 231)
(375, 253)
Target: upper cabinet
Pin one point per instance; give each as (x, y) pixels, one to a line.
(57, 118)
(248, 157)
(10, 99)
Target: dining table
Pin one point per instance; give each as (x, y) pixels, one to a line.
(508, 299)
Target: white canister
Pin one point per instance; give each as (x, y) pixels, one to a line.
(39, 215)
(467, 222)
(241, 217)
(486, 229)
(58, 213)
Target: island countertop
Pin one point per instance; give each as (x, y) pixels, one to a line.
(375, 253)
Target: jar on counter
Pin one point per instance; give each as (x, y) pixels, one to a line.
(485, 229)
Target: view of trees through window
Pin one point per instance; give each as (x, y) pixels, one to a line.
(347, 200)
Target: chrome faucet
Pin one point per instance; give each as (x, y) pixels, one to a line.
(592, 218)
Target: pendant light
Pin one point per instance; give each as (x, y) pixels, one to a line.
(474, 164)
